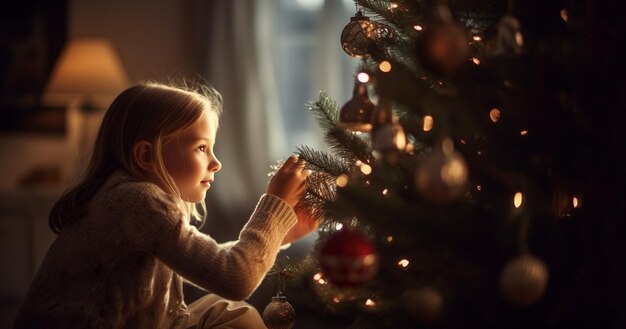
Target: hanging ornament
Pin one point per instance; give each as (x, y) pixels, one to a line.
(357, 113)
(348, 258)
(524, 279)
(443, 46)
(424, 304)
(509, 39)
(388, 137)
(279, 314)
(442, 176)
(358, 36)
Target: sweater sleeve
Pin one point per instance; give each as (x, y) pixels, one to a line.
(156, 225)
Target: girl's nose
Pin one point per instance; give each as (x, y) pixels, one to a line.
(215, 165)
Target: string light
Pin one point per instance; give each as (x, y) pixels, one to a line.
(342, 180)
(523, 132)
(417, 27)
(517, 199)
(475, 60)
(385, 66)
(370, 303)
(403, 263)
(393, 6)
(389, 238)
(338, 226)
(479, 188)
(336, 300)
(385, 191)
(428, 123)
(576, 202)
(366, 169)
(477, 38)
(363, 77)
(494, 114)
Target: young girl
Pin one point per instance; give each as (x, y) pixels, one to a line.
(125, 242)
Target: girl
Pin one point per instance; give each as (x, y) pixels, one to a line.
(125, 242)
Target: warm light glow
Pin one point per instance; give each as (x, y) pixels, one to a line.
(317, 276)
(479, 188)
(389, 238)
(336, 300)
(321, 281)
(576, 202)
(475, 60)
(342, 180)
(454, 172)
(519, 38)
(523, 132)
(370, 303)
(463, 142)
(410, 148)
(338, 226)
(385, 191)
(517, 199)
(385, 66)
(564, 15)
(428, 123)
(494, 115)
(417, 27)
(366, 169)
(87, 67)
(476, 38)
(393, 6)
(403, 263)
(363, 77)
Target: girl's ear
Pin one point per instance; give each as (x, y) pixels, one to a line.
(142, 155)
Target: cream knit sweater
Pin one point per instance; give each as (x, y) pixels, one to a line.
(122, 265)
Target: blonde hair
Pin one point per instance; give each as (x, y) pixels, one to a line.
(152, 112)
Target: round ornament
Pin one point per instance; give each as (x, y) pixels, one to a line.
(509, 39)
(424, 304)
(348, 259)
(388, 137)
(357, 113)
(524, 280)
(358, 36)
(442, 175)
(443, 46)
(279, 314)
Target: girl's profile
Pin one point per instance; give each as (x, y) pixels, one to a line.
(125, 243)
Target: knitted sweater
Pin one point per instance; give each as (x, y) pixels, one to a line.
(121, 266)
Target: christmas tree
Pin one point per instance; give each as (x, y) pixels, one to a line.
(474, 179)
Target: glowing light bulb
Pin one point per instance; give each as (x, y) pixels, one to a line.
(317, 276)
(417, 27)
(338, 226)
(403, 263)
(385, 66)
(476, 38)
(342, 180)
(385, 191)
(494, 114)
(576, 202)
(428, 123)
(517, 199)
(389, 238)
(475, 60)
(366, 169)
(370, 303)
(393, 6)
(523, 132)
(363, 77)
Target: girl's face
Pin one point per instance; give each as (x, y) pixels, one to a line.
(189, 158)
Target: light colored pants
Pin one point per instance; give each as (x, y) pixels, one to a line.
(212, 311)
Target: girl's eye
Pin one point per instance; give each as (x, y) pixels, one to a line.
(202, 148)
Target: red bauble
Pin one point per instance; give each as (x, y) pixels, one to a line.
(348, 259)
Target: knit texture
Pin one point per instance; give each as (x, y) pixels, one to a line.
(122, 265)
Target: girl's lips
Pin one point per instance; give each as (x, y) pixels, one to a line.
(206, 183)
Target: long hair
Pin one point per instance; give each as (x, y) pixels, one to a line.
(151, 112)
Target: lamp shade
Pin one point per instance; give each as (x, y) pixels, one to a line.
(87, 68)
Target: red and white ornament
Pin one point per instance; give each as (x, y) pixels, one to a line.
(348, 259)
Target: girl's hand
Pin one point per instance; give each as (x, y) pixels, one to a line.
(289, 181)
(305, 225)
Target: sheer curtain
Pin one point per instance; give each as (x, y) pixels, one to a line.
(267, 67)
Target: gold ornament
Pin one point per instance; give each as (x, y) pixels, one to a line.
(357, 113)
(358, 36)
(279, 314)
(524, 280)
